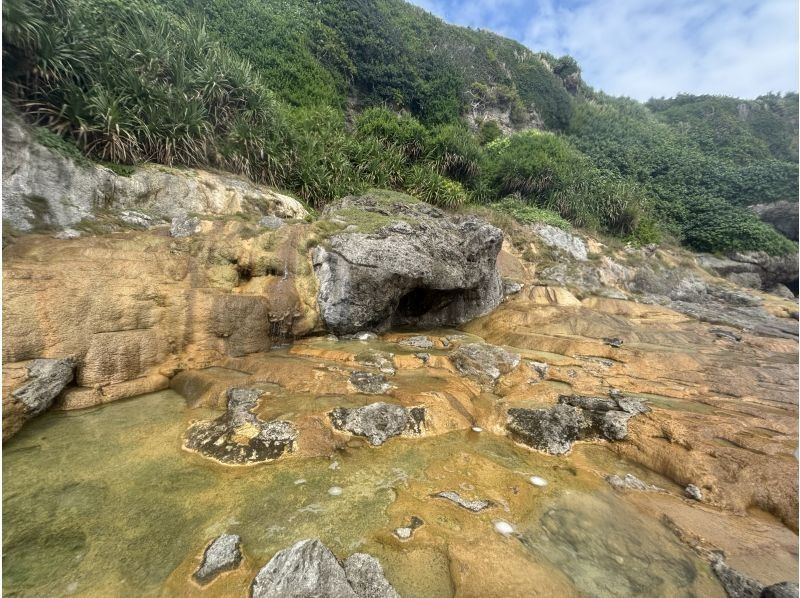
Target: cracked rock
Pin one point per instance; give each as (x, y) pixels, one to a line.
(378, 421)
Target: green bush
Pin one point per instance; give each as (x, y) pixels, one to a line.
(528, 214)
(431, 187)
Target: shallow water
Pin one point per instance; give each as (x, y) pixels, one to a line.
(104, 502)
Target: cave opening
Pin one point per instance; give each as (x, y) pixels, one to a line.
(420, 302)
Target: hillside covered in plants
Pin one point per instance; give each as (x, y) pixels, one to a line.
(328, 99)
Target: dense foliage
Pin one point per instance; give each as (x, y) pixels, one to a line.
(326, 99)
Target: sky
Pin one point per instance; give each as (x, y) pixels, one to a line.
(652, 48)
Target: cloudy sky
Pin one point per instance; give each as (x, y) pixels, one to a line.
(652, 48)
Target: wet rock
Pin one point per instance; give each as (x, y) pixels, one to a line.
(364, 336)
(784, 589)
(561, 240)
(613, 342)
(369, 382)
(726, 334)
(238, 436)
(405, 532)
(380, 360)
(576, 417)
(46, 379)
(222, 554)
(67, 234)
(308, 569)
(305, 570)
(435, 270)
(631, 482)
(693, 492)
(378, 421)
(736, 585)
(483, 362)
(184, 226)
(550, 430)
(476, 506)
(271, 222)
(366, 577)
(419, 342)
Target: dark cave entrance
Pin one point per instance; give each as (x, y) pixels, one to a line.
(420, 306)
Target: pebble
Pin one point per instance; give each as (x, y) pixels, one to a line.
(298, 482)
(693, 492)
(334, 465)
(477, 429)
(335, 491)
(404, 533)
(537, 481)
(503, 527)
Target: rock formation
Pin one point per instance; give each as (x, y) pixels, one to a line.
(399, 262)
(223, 554)
(378, 421)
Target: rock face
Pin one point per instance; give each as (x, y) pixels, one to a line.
(562, 240)
(42, 381)
(223, 554)
(554, 430)
(43, 189)
(238, 436)
(783, 215)
(184, 226)
(483, 362)
(310, 570)
(406, 264)
(755, 269)
(379, 421)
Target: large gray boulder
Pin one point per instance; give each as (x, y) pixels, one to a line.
(483, 362)
(310, 570)
(46, 379)
(783, 215)
(238, 436)
(378, 421)
(400, 262)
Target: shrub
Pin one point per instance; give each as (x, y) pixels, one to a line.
(528, 214)
(433, 188)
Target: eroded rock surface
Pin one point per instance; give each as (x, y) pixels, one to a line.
(406, 264)
(238, 436)
(476, 505)
(378, 421)
(223, 554)
(483, 362)
(310, 570)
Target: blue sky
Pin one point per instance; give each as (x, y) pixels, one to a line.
(652, 48)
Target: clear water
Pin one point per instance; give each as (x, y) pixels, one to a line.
(104, 502)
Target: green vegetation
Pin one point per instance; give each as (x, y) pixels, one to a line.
(331, 98)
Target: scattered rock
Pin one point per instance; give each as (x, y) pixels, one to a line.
(136, 218)
(540, 368)
(613, 342)
(631, 482)
(380, 360)
(184, 226)
(476, 506)
(555, 429)
(335, 491)
(512, 287)
(364, 336)
(271, 222)
(726, 334)
(369, 382)
(67, 234)
(537, 481)
(434, 270)
(735, 584)
(693, 492)
(46, 379)
(366, 577)
(423, 357)
(483, 362)
(405, 532)
(308, 569)
(222, 554)
(378, 421)
(238, 436)
(419, 342)
(562, 240)
(504, 528)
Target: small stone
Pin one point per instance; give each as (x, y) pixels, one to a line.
(419, 342)
(334, 465)
(476, 506)
(630, 482)
(512, 287)
(613, 342)
(299, 482)
(67, 234)
(335, 491)
(271, 222)
(222, 554)
(332, 338)
(423, 357)
(503, 527)
(365, 336)
(404, 533)
(537, 481)
(477, 429)
(693, 492)
(726, 334)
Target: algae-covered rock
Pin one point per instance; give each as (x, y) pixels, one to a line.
(378, 421)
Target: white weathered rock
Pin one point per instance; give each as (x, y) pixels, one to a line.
(561, 240)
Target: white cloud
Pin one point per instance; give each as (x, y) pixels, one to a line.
(652, 48)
